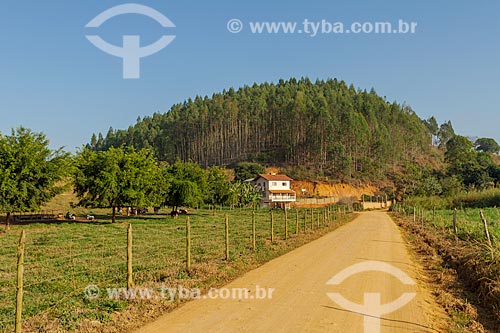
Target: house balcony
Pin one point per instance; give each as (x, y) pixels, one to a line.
(282, 196)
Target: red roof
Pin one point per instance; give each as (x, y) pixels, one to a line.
(274, 177)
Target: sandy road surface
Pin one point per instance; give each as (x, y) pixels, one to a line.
(300, 302)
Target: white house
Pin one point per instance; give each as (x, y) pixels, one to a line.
(275, 190)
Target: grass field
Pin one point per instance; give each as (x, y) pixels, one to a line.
(469, 224)
(61, 259)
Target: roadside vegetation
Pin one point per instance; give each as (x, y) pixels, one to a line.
(466, 251)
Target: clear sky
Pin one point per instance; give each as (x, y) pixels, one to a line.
(54, 80)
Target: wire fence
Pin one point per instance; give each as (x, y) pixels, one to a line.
(61, 261)
(467, 224)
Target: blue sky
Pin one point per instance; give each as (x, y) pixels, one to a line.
(53, 80)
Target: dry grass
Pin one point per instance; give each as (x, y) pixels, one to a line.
(464, 273)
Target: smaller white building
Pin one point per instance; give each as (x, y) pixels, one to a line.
(275, 190)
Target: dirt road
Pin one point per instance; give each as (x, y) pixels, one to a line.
(300, 300)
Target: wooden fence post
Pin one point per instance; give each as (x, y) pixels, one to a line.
(188, 244)
(7, 222)
(455, 230)
(485, 225)
(312, 219)
(253, 232)
(414, 214)
(130, 280)
(296, 221)
(227, 236)
(19, 287)
(305, 220)
(286, 223)
(272, 226)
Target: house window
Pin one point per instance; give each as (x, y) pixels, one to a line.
(283, 184)
(274, 184)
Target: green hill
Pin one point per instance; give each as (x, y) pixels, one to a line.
(325, 128)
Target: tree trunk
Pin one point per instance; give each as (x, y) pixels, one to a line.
(113, 216)
(7, 222)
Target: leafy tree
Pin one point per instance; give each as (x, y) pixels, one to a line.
(219, 187)
(30, 172)
(472, 167)
(451, 185)
(189, 184)
(183, 193)
(487, 145)
(93, 143)
(432, 125)
(433, 128)
(244, 194)
(494, 173)
(459, 154)
(445, 133)
(417, 180)
(247, 170)
(114, 178)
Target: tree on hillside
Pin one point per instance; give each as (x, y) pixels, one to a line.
(29, 171)
(487, 145)
(416, 181)
(473, 168)
(247, 170)
(114, 178)
(433, 128)
(458, 154)
(445, 133)
(458, 147)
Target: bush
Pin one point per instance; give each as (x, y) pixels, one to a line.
(471, 199)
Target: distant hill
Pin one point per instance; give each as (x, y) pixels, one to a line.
(326, 128)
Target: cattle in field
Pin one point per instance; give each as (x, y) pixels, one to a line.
(174, 214)
(183, 212)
